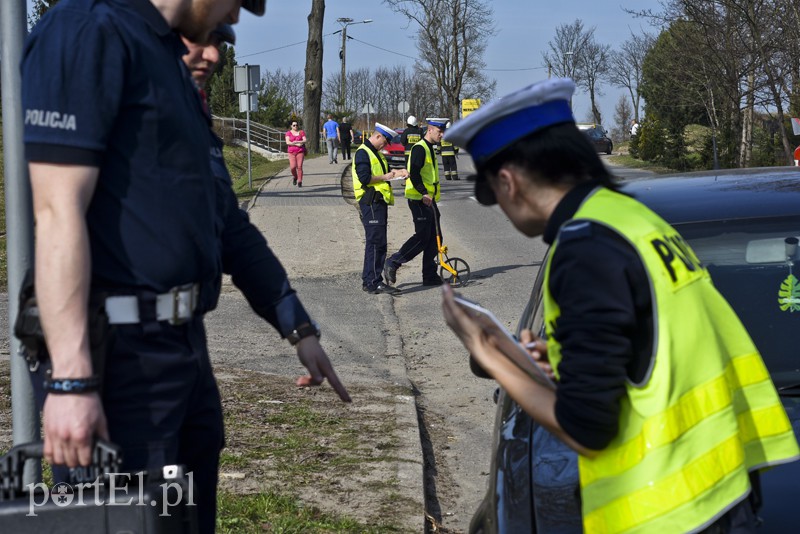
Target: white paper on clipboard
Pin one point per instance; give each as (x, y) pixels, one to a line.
(506, 342)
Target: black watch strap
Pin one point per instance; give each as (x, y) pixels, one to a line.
(304, 331)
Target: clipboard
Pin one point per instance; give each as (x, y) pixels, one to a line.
(506, 341)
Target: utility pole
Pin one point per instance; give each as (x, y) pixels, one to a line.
(345, 22)
(19, 224)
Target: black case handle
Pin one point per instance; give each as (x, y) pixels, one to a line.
(106, 459)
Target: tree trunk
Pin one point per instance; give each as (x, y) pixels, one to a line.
(312, 94)
(746, 149)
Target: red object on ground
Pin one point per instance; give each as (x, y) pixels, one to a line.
(797, 156)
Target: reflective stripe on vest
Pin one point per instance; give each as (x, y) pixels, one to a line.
(379, 168)
(447, 148)
(411, 140)
(429, 173)
(689, 434)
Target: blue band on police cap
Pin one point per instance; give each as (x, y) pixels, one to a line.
(500, 134)
(386, 133)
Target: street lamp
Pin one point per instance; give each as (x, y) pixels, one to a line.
(345, 22)
(571, 75)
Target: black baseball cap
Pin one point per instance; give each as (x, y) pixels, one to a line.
(225, 34)
(256, 7)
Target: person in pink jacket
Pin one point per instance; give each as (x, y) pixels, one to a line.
(296, 141)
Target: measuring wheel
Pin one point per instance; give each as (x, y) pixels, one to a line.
(462, 272)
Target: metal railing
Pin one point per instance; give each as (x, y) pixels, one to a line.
(266, 137)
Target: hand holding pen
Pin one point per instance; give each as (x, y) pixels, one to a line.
(537, 347)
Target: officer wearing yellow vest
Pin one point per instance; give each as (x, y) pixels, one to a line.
(422, 192)
(374, 194)
(449, 165)
(672, 414)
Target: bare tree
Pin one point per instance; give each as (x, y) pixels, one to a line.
(593, 66)
(451, 41)
(287, 85)
(623, 114)
(566, 49)
(625, 67)
(743, 48)
(312, 94)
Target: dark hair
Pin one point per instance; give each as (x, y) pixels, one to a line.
(559, 154)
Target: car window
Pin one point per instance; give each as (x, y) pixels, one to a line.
(754, 275)
(749, 268)
(396, 140)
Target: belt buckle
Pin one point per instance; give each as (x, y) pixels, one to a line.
(183, 297)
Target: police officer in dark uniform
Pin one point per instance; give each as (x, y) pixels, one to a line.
(410, 136)
(128, 215)
(374, 194)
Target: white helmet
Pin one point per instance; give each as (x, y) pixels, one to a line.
(412, 120)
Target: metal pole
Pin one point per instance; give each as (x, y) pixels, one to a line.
(249, 160)
(19, 222)
(344, 55)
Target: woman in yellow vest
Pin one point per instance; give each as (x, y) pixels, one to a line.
(374, 195)
(670, 421)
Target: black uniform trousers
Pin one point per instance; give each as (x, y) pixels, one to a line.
(375, 218)
(450, 167)
(162, 405)
(423, 241)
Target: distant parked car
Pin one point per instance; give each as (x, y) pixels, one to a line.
(598, 136)
(357, 137)
(743, 226)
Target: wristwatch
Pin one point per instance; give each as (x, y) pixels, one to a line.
(303, 331)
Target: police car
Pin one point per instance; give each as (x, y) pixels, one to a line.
(744, 226)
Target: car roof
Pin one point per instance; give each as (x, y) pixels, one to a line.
(722, 194)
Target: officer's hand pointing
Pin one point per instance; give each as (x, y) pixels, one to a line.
(313, 358)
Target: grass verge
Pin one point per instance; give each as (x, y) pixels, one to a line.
(297, 460)
(262, 170)
(626, 160)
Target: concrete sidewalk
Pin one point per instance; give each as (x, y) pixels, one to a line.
(319, 239)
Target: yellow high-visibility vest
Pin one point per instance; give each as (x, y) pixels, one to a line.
(706, 414)
(448, 149)
(429, 173)
(379, 168)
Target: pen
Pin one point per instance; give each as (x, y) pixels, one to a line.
(531, 345)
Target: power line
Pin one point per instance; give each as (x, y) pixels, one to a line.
(272, 49)
(379, 48)
(374, 46)
(514, 70)
(281, 47)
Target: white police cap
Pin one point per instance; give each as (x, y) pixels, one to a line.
(495, 126)
(439, 122)
(385, 131)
